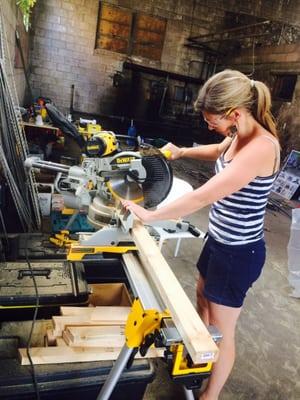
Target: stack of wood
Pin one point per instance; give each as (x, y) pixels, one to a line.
(82, 334)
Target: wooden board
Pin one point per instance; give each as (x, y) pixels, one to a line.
(94, 336)
(60, 342)
(116, 315)
(72, 310)
(60, 322)
(59, 355)
(194, 333)
(99, 313)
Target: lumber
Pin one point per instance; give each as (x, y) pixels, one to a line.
(72, 310)
(96, 336)
(194, 333)
(100, 313)
(112, 315)
(58, 355)
(113, 318)
(60, 322)
(61, 342)
(50, 338)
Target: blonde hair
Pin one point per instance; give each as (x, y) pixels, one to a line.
(232, 89)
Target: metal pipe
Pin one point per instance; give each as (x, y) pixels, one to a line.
(238, 28)
(115, 373)
(33, 162)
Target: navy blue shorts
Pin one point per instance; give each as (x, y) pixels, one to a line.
(230, 270)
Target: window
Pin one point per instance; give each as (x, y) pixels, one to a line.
(121, 30)
(179, 93)
(284, 87)
(113, 31)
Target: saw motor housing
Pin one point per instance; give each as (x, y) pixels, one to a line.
(110, 175)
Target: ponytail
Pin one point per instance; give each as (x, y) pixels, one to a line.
(263, 108)
(231, 89)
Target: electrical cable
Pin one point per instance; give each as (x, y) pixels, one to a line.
(28, 345)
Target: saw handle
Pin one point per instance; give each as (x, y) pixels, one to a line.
(167, 154)
(193, 230)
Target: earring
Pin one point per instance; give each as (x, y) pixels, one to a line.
(232, 131)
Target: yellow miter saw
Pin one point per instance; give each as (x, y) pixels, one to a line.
(107, 175)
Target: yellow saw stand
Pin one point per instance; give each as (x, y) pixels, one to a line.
(150, 324)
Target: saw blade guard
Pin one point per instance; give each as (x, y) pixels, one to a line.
(145, 177)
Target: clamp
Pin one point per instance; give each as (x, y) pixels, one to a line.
(63, 239)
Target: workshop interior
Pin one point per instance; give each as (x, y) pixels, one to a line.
(93, 303)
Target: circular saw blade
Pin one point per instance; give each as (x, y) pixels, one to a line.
(123, 189)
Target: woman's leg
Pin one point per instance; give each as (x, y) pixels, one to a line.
(202, 302)
(224, 318)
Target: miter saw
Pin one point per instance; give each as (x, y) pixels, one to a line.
(107, 175)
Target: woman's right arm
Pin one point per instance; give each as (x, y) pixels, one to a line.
(209, 152)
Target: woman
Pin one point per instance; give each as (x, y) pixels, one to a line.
(246, 164)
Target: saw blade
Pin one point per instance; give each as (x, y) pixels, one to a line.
(123, 189)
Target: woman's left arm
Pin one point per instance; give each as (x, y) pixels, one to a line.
(245, 166)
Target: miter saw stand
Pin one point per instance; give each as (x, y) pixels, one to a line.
(149, 322)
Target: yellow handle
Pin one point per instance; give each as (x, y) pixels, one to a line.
(167, 154)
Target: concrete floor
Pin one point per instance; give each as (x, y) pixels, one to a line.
(268, 334)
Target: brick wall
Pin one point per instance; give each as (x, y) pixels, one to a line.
(11, 17)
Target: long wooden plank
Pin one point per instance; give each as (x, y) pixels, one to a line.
(194, 333)
(58, 355)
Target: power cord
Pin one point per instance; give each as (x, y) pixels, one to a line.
(28, 345)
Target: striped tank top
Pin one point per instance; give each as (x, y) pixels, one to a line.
(239, 218)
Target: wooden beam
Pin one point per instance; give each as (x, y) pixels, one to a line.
(59, 355)
(194, 333)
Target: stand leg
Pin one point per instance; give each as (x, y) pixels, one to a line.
(188, 394)
(115, 373)
(177, 247)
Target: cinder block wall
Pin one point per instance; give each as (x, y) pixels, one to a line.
(63, 50)
(10, 17)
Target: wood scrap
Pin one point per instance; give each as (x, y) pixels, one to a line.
(96, 336)
(58, 355)
(60, 322)
(50, 338)
(89, 316)
(60, 342)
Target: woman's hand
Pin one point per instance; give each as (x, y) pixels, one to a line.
(143, 214)
(176, 152)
